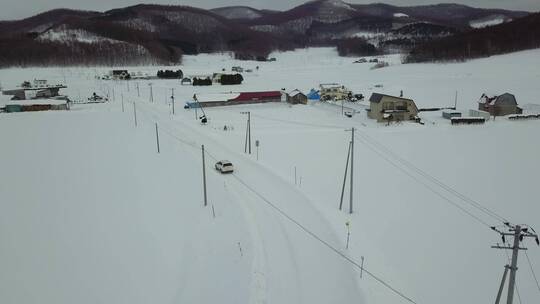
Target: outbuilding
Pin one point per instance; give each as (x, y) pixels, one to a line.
(501, 105)
(297, 97)
(229, 99)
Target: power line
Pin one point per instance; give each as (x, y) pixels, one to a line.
(302, 227)
(437, 181)
(532, 271)
(325, 243)
(427, 185)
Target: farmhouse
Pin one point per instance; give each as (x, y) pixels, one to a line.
(39, 90)
(391, 108)
(501, 105)
(229, 99)
(333, 91)
(297, 97)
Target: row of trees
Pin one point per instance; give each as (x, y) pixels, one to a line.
(355, 47)
(520, 34)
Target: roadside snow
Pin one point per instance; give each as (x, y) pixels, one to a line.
(97, 212)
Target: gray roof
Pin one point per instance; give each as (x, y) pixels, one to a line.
(377, 97)
(506, 99)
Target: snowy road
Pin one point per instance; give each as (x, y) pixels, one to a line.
(289, 265)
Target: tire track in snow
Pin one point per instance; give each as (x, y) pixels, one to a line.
(321, 276)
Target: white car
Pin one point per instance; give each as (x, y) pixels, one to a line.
(224, 166)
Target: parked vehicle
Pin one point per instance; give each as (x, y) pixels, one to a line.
(224, 166)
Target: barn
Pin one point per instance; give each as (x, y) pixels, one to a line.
(229, 99)
(501, 105)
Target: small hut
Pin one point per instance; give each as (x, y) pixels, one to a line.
(297, 97)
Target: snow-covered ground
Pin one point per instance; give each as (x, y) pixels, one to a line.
(91, 213)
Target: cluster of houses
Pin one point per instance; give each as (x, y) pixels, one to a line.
(382, 107)
(36, 96)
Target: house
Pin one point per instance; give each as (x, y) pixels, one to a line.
(296, 97)
(501, 105)
(228, 99)
(333, 91)
(391, 108)
(40, 91)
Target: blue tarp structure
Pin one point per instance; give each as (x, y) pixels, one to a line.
(313, 95)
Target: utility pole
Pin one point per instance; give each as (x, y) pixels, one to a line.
(204, 177)
(248, 133)
(135, 113)
(172, 100)
(519, 233)
(345, 177)
(151, 93)
(352, 171)
(350, 156)
(157, 139)
(122, 103)
(455, 102)
(138, 91)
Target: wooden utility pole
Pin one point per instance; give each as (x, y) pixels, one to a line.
(345, 178)
(248, 133)
(204, 176)
(352, 172)
(157, 139)
(350, 156)
(518, 233)
(151, 93)
(135, 113)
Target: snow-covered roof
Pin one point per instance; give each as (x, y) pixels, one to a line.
(32, 102)
(295, 92)
(216, 97)
(330, 85)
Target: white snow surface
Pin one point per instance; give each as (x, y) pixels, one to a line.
(400, 15)
(64, 34)
(488, 21)
(91, 213)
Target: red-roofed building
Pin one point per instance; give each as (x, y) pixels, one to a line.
(217, 100)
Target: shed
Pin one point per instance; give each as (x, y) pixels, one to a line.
(297, 97)
(449, 114)
(504, 104)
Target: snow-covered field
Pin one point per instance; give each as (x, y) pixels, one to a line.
(90, 212)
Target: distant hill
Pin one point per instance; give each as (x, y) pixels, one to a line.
(519, 34)
(158, 34)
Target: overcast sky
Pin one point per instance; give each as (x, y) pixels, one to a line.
(16, 9)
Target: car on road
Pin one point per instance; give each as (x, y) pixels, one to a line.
(224, 166)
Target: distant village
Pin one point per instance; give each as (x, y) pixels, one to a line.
(40, 95)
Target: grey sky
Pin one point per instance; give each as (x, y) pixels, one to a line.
(16, 9)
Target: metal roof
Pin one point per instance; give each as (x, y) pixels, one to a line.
(377, 97)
